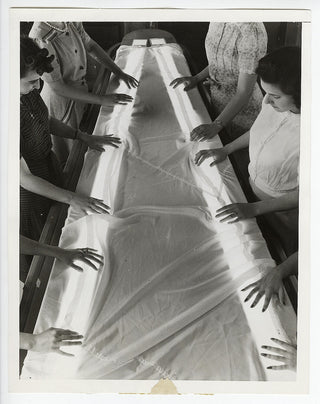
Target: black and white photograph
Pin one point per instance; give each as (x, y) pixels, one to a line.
(159, 200)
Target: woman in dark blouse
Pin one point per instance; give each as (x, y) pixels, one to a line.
(40, 173)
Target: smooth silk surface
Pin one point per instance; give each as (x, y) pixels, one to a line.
(166, 303)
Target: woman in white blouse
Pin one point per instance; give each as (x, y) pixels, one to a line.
(273, 142)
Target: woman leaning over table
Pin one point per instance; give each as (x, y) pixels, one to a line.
(65, 90)
(233, 51)
(274, 145)
(40, 173)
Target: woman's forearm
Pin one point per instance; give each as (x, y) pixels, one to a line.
(41, 187)
(27, 341)
(289, 266)
(240, 143)
(102, 57)
(32, 247)
(246, 83)
(74, 93)
(58, 128)
(285, 202)
(203, 74)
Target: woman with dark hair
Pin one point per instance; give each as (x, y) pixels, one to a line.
(65, 90)
(273, 141)
(40, 171)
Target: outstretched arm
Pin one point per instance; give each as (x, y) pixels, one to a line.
(238, 211)
(60, 129)
(39, 186)
(241, 98)
(102, 57)
(221, 154)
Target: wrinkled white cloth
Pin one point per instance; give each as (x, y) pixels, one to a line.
(166, 303)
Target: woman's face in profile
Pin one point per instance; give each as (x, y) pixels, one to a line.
(280, 101)
(29, 82)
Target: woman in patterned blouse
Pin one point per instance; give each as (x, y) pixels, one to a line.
(40, 172)
(65, 90)
(233, 51)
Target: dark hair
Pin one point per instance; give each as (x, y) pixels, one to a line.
(32, 57)
(283, 68)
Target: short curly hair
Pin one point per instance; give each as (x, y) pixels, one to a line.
(32, 57)
(283, 68)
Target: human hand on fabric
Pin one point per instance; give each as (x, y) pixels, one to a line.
(269, 286)
(87, 256)
(112, 99)
(53, 339)
(130, 81)
(287, 355)
(236, 211)
(204, 132)
(217, 154)
(188, 81)
(88, 204)
(97, 142)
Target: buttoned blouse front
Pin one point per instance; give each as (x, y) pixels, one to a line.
(274, 151)
(68, 48)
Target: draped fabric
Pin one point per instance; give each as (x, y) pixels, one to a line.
(167, 301)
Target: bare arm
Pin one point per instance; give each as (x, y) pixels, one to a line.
(285, 202)
(71, 257)
(58, 128)
(221, 154)
(74, 93)
(246, 83)
(32, 247)
(42, 187)
(245, 87)
(201, 76)
(241, 142)
(238, 211)
(102, 57)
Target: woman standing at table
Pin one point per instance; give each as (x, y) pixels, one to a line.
(233, 51)
(274, 148)
(40, 172)
(65, 90)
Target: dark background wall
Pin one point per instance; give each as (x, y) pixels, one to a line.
(189, 34)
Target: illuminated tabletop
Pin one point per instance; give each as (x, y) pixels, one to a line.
(167, 302)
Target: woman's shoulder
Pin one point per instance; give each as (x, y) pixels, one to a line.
(43, 32)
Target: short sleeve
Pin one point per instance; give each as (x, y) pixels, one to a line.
(55, 75)
(84, 36)
(252, 46)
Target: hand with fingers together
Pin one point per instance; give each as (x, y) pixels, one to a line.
(87, 256)
(269, 286)
(236, 211)
(189, 82)
(97, 142)
(112, 99)
(50, 340)
(130, 81)
(204, 131)
(287, 354)
(217, 154)
(88, 204)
